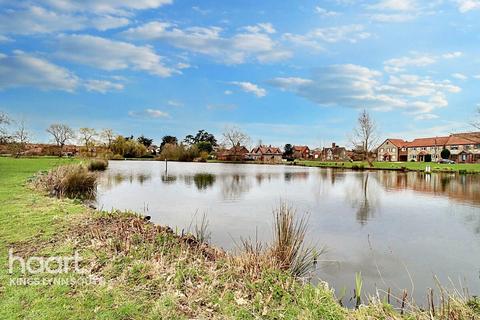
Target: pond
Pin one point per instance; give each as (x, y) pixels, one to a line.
(395, 228)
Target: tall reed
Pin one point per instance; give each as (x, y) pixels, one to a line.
(70, 181)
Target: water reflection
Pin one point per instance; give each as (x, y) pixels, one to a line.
(371, 221)
(204, 180)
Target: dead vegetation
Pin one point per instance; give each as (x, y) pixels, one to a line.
(70, 181)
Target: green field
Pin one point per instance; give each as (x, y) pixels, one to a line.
(149, 273)
(410, 166)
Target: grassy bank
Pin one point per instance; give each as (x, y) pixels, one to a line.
(401, 166)
(144, 271)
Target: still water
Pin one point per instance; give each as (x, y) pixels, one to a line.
(395, 228)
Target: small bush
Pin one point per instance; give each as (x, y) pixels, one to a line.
(98, 165)
(71, 181)
(117, 157)
(462, 171)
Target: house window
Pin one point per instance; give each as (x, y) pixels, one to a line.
(477, 146)
(381, 150)
(454, 147)
(403, 149)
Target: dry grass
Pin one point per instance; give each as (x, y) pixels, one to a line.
(98, 165)
(287, 252)
(70, 181)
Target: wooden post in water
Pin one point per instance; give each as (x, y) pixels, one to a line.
(166, 165)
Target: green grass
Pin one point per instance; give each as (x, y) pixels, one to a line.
(411, 166)
(150, 272)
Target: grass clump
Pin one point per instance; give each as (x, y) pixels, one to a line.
(98, 165)
(70, 181)
(287, 252)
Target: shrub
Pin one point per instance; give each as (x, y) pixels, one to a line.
(445, 154)
(128, 148)
(178, 153)
(71, 181)
(98, 165)
(117, 157)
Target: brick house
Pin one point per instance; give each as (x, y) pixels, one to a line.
(301, 152)
(237, 153)
(463, 147)
(334, 153)
(266, 154)
(392, 150)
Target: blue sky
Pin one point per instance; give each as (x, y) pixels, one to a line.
(283, 71)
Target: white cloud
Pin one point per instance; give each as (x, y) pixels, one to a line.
(398, 64)
(35, 19)
(111, 55)
(107, 6)
(227, 92)
(149, 113)
(21, 69)
(477, 76)
(355, 86)
(395, 5)
(102, 86)
(467, 5)
(426, 116)
(392, 17)
(459, 76)
(251, 88)
(109, 22)
(316, 38)
(401, 10)
(174, 103)
(325, 13)
(157, 113)
(209, 41)
(261, 27)
(4, 38)
(452, 55)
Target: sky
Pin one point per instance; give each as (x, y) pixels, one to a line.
(282, 71)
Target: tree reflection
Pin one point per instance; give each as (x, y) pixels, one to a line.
(293, 176)
(233, 186)
(204, 180)
(168, 179)
(363, 198)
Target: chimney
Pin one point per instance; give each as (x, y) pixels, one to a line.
(333, 145)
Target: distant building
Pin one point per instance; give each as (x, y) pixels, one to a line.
(237, 153)
(334, 153)
(463, 147)
(266, 154)
(301, 152)
(392, 150)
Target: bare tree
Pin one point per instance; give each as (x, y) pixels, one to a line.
(87, 135)
(61, 134)
(20, 139)
(108, 136)
(4, 122)
(234, 138)
(476, 123)
(365, 135)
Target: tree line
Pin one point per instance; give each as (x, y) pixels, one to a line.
(16, 136)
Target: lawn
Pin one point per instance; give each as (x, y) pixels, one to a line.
(148, 271)
(412, 166)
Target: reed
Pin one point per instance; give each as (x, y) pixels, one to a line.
(98, 165)
(70, 181)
